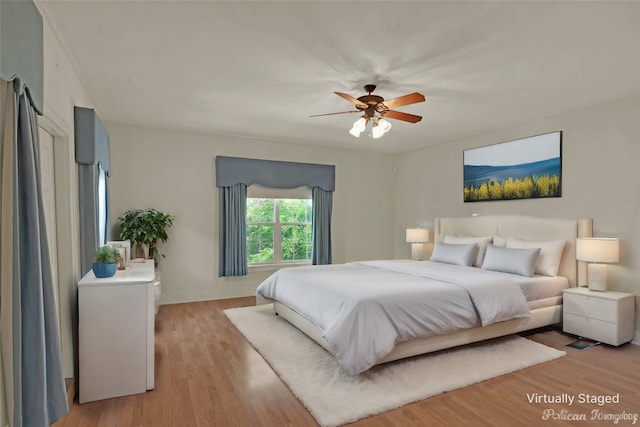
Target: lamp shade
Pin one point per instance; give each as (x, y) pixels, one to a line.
(597, 249)
(417, 235)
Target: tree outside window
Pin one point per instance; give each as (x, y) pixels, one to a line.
(278, 230)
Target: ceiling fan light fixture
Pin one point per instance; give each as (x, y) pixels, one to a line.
(385, 125)
(359, 126)
(376, 131)
(355, 132)
(380, 127)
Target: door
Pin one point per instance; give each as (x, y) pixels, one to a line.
(47, 178)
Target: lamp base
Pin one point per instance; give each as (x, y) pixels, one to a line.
(597, 277)
(417, 251)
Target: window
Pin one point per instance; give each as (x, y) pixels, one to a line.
(102, 206)
(278, 230)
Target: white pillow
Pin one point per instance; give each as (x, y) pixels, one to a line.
(482, 243)
(454, 254)
(500, 241)
(550, 253)
(510, 260)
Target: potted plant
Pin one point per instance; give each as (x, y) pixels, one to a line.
(104, 263)
(145, 228)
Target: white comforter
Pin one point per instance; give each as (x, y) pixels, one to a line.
(365, 308)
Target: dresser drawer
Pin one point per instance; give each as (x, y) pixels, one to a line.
(593, 307)
(595, 329)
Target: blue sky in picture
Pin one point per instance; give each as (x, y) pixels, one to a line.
(535, 156)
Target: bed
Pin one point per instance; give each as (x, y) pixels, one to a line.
(372, 312)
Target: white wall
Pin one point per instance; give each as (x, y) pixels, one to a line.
(600, 180)
(63, 89)
(174, 171)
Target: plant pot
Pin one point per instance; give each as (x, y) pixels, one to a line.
(102, 270)
(142, 251)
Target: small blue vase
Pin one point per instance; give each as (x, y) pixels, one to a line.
(102, 270)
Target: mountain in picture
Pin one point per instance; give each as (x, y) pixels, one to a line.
(476, 175)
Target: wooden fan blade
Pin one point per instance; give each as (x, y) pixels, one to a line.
(341, 112)
(398, 115)
(351, 99)
(412, 98)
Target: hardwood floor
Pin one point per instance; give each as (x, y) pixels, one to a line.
(208, 375)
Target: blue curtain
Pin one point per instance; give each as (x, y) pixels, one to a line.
(90, 234)
(39, 390)
(88, 214)
(321, 226)
(233, 230)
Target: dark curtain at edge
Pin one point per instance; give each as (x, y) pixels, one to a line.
(39, 390)
(233, 230)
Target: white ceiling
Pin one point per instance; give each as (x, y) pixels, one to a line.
(260, 69)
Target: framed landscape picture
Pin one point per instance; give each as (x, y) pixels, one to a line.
(521, 169)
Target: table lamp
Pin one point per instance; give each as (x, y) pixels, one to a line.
(596, 251)
(417, 237)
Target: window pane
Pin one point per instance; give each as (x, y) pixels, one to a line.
(295, 242)
(266, 233)
(259, 243)
(295, 210)
(253, 233)
(259, 252)
(259, 210)
(296, 251)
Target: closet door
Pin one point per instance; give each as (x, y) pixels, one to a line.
(47, 179)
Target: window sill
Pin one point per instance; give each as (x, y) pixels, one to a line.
(274, 267)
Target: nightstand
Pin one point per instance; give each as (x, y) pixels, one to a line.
(605, 316)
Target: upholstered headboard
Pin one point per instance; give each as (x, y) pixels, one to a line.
(526, 227)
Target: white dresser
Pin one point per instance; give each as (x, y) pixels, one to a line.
(116, 318)
(605, 316)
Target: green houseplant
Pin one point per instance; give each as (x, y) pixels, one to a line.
(104, 263)
(145, 228)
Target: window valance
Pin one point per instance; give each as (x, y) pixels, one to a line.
(273, 173)
(92, 140)
(21, 48)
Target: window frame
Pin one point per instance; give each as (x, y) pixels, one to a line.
(277, 237)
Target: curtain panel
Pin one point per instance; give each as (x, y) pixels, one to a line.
(235, 174)
(38, 392)
(233, 231)
(88, 219)
(322, 202)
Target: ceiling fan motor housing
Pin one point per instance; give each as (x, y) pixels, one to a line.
(373, 102)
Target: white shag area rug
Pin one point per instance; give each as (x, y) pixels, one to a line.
(319, 383)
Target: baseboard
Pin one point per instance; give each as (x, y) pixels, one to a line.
(636, 340)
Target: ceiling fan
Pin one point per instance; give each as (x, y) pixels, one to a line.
(371, 104)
